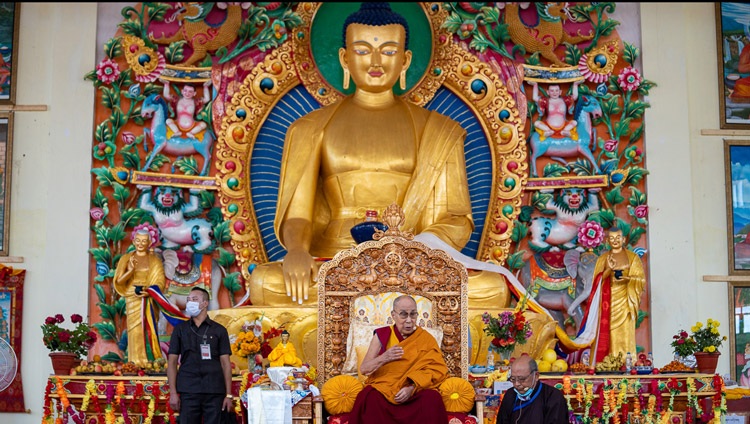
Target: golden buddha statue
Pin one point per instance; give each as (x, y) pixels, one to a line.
(623, 280)
(365, 152)
(136, 271)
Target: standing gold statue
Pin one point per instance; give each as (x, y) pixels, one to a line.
(623, 280)
(365, 152)
(135, 272)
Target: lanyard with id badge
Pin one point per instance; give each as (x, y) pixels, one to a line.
(205, 347)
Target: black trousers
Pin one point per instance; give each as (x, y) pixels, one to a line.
(201, 408)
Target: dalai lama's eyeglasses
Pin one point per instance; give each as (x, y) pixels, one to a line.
(412, 315)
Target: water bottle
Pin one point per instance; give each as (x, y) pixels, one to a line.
(650, 359)
(490, 360)
(628, 362)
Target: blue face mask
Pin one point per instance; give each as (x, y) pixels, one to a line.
(526, 394)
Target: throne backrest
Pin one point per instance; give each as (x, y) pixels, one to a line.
(358, 286)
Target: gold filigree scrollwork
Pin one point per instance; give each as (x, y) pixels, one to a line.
(245, 113)
(490, 100)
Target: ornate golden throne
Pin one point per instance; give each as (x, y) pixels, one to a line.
(356, 290)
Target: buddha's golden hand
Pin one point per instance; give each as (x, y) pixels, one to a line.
(297, 267)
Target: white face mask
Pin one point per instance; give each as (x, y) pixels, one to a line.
(193, 309)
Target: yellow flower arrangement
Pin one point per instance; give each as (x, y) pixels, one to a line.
(708, 339)
(246, 344)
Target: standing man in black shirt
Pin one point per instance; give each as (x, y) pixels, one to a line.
(202, 387)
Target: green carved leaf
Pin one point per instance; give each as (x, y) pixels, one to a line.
(99, 200)
(157, 11)
(519, 231)
(611, 106)
(581, 167)
(131, 28)
(106, 330)
(554, 169)
(121, 193)
(113, 48)
(221, 233)
(135, 216)
(605, 217)
(515, 261)
(188, 165)
(100, 294)
(158, 161)
(214, 216)
(637, 108)
(622, 128)
(108, 312)
(491, 14)
(174, 52)
(636, 135)
(635, 235)
(131, 160)
(121, 307)
(117, 232)
(525, 214)
(637, 197)
(102, 233)
(572, 54)
(232, 282)
(206, 199)
(635, 174)
(100, 254)
(614, 197)
(645, 87)
(110, 98)
(607, 27)
(225, 258)
(539, 200)
(630, 53)
(112, 357)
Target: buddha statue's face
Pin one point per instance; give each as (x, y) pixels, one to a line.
(142, 242)
(615, 239)
(375, 56)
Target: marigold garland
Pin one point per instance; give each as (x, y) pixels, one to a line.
(90, 390)
(243, 388)
(151, 408)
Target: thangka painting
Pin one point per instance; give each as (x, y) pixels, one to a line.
(733, 46)
(11, 319)
(193, 105)
(737, 170)
(9, 20)
(739, 332)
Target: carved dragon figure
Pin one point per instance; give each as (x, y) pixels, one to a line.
(200, 35)
(546, 34)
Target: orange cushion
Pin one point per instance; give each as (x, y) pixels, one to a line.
(458, 394)
(340, 392)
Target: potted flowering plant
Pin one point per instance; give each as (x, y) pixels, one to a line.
(66, 346)
(507, 329)
(683, 344)
(708, 340)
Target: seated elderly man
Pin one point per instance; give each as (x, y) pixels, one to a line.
(531, 401)
(404, 366)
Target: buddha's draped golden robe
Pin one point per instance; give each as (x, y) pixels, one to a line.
(284, 354)
(434, 198)
(624, 301)
(142, 313)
